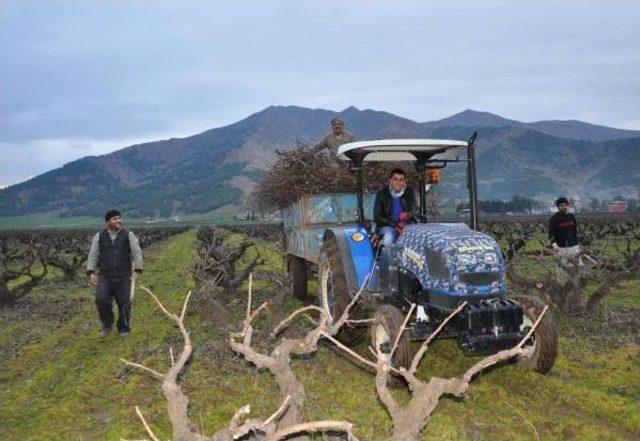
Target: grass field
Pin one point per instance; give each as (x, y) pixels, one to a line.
(42, 222)
(28, 222)
(59, 381)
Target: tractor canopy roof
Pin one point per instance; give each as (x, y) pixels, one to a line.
(402, 149)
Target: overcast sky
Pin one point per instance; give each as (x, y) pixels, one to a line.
(81, 78)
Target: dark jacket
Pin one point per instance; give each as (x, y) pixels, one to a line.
(383, 206)
(114, 259)
(563, 230)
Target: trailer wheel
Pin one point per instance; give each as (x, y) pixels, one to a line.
(541, 349)
(334, 294)
(297, 269)
(384, 331)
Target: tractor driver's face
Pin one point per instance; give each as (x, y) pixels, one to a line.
(398, 181)
(114, 223)
(337, 128)
(563, 207)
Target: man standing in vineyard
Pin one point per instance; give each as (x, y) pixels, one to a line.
(117, 254)
(563, 228)
(335, 139)
(563, 234)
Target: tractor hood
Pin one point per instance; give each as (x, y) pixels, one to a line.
(452, 260)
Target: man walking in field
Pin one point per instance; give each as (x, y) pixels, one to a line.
(116, 254)
(335, 139)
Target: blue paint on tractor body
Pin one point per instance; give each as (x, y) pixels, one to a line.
(452, 260)
(361, 252)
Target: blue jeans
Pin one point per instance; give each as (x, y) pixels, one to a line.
(389, 237)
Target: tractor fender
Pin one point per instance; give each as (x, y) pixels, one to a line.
(356, 252)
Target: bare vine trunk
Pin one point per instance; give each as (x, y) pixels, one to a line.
(285, 423)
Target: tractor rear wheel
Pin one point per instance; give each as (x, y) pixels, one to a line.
(541, 349)
(334, 292)
(384, 331)
(297, 269)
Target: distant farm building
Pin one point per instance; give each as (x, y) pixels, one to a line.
(618, 207)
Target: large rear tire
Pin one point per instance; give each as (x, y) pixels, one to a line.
(541, 349)
(387, 323)
(334, 292)
(297, 268)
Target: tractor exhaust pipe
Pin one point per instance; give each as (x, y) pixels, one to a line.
(472, 183)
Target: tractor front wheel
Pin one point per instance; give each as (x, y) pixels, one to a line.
(384, 331)
(541, 349)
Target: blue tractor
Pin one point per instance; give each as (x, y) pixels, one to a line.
(435, 266)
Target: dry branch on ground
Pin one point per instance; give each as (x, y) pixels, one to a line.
(409, 419)
(282, 424)
(278, 361)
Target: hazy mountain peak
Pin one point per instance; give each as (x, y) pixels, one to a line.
(472, 118)
(277, 110)
(570, 129)
(350, 109)
(574, 129)
(214, 168)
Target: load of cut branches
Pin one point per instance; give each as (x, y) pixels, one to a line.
(302, 171)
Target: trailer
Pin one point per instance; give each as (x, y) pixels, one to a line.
(305, 222)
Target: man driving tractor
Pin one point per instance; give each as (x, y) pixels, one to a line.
(433, 266)
(391, 213)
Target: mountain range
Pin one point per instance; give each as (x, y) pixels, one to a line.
(203, 172)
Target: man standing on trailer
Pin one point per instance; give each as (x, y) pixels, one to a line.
(115, 252)
(338, 136)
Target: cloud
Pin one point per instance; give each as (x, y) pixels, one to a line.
(74, 76)
(21, 161)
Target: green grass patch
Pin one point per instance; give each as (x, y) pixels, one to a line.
(36, 222)
(63, 382)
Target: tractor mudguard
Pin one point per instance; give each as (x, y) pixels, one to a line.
(355, 249)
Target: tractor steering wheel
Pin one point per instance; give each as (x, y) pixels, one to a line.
(418, 218)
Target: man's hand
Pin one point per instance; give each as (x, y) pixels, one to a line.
(403, 217)
(93, 279)
(134, 275)
(555, 247)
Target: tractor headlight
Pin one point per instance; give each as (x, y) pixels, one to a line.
(466, 259)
